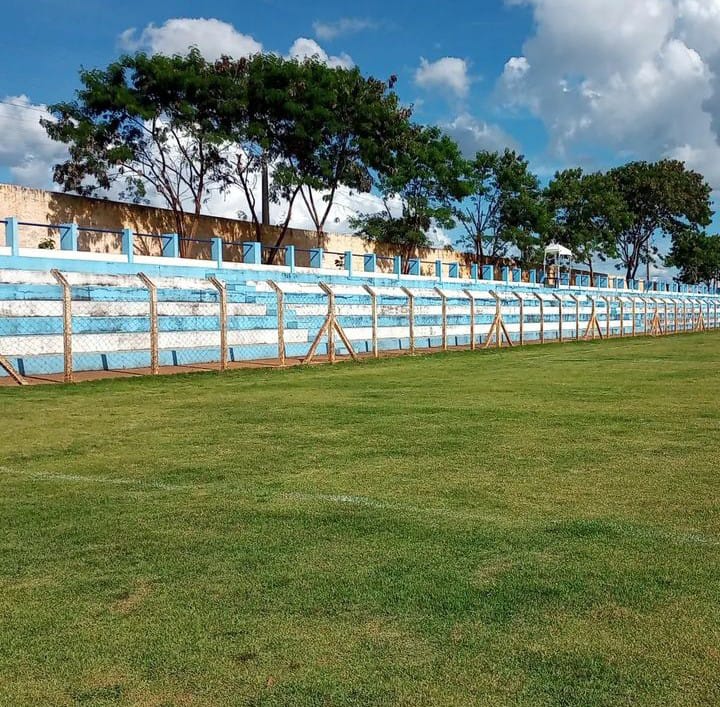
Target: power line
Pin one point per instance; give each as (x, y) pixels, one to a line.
(25, 106)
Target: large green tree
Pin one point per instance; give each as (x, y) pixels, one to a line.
(419, 192)
(661, 198)
(504, 208)
(143, 123)
(697, 257)
(587, 215)
(317, 127)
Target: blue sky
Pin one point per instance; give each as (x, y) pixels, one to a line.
(593, 83)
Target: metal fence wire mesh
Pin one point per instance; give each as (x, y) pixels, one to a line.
(58, 324)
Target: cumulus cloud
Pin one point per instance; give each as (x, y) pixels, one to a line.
(304, 48)
(212, 37)
(449, 74)
(343, 26)
(473, 135)
(26, 150)
(634, 78)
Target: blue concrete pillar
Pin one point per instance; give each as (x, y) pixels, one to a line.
(474, 271)
(397, 265)
(290, 257)
(171, 245)
(439, 269)
(348, 262)
(370, 262)
(128, 244)
(565, 278)
(488, 272)
(316, 257)
(505, 273)
(69, 236)
(12, 235)
(217, 251)
(252, 252)
(414, 266)
(532, 275)
(603, 280)
(517, 275)
(454, 270)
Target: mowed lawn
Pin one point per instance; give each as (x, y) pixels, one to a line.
(523, 527)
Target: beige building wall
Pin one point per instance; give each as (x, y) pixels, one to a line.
(46, 207)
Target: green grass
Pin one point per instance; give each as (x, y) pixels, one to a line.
(526, 527)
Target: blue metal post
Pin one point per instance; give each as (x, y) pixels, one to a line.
(252, 253)
(128, 244)
(316, 257)
(217, 251)
(12, 235)
(171, 245)
(69, 236)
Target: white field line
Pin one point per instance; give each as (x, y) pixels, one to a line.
(102, 480)
(683, 538)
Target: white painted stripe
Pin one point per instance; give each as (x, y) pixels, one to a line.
(83, 308)
(73, 255)
(89, 343)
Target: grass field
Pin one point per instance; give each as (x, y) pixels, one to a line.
(525, 527)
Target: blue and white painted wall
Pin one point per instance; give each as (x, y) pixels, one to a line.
(111, 325)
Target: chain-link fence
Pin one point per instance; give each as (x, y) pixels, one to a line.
(58, 325)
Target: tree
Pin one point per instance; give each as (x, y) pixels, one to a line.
(587, 215)
(419, 191)
(504, 206)
(316, 128)
(660, 198)
(144, 122)
(697, 257)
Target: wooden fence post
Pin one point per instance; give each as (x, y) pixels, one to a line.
(607, 314)
(67, 325)
(521, 299)
(577, 316)
(560, 313)
(444, 318)
(222, 296)
(152, 294)
(10, 370)
(411, 317)
(374, 314)
(542, 316)
(280, 321)
(471, 297)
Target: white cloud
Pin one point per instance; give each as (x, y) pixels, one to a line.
(25, 149)
(343, 26)
(212, 37)
(474, 135)
(304, 48)
(632, 78)
(449, 74)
